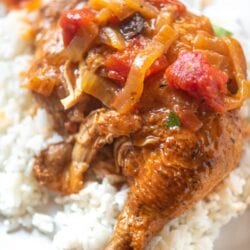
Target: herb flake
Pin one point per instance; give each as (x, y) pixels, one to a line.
(172, 121)
(221, 32)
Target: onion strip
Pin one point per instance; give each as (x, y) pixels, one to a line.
(74, 92)
(113, 38)
(103, 16)
(145, 8)
(123, 8)
(133, 89)
(205, 41)
(98, 87)
(239, 64)
(81, 43)
(164, 17)
(88, 83)
(116, 6)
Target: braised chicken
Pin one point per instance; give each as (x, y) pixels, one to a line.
(65, 174)
(142, 91)
(171, 171)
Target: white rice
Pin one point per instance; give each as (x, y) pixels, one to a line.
(86, 220)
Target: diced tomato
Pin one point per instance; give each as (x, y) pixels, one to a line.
(161, 3)
(192, 73)
(118, 65)
(118, 68)
(73, 20)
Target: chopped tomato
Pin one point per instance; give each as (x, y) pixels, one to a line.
(118, 65)
(118, 68)
(192, 73)
(161, 3)
(72, 21)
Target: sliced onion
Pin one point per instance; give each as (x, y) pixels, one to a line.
(116, 6)
(133, 89)
(207, 42)
(239, 63)
(89, 83)
(98, 87)
(113, 38)
(145, 8)
(74, 89)
(103, 16)
(164, 17)
(75, 50)
(81, 43)
(124, 8)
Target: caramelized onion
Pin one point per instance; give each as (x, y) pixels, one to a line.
(112, 38)
(74, 89)
(81, 43)
(124, 8)
(133, 89)
(239, 64)
(103, 16)
(143, 7)
(98, 87)
(89, 83)
(205, 41)
(117, 7)
(165, 17)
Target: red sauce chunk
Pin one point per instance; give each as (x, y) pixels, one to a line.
(192, 73)
(72, 21)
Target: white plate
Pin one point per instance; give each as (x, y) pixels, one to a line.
(236, 235)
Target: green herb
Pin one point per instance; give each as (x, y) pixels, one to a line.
(221, 32)
(172, 121)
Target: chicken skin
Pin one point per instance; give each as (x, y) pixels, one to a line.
(144, 92)
(175, 172)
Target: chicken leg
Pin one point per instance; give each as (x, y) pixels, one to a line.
(178, 173)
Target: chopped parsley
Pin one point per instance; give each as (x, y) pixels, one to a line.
(221, 32)
(172, 121)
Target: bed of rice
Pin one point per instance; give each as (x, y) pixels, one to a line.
(86, 220)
